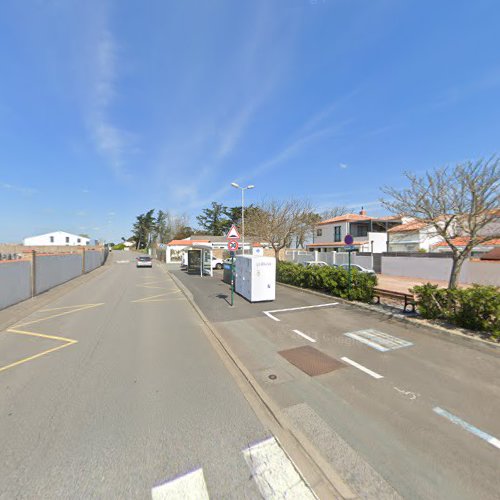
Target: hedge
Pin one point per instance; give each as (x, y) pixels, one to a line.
(475, 308)
(332, 280)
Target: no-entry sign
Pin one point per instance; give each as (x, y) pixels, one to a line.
(232, 246)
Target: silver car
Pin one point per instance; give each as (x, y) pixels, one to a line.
(144, 261)
(358, 268)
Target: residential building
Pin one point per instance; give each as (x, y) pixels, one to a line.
(60, 238)
(414, 236)
(369, 233)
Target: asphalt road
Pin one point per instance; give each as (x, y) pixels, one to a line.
(406, 411)
(114, 389)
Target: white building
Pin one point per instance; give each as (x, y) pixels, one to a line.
(369, 233)
(56, 238)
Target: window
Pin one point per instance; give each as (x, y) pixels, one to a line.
(319, 232)
(67, 239)
(362, 230)
(52, 239)
(78, 240)
(337, 233)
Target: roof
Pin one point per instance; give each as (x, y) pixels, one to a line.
(346, 218)
(409, 226)
(207, 237)
(462, 241)
(336, 244)
(492, 254)
(58, 232)
(185, 243)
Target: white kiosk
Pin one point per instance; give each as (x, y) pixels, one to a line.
(255, 277)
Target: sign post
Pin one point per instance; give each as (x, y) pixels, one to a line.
(232, 245)
(348, 240)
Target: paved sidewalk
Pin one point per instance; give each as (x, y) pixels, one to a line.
(403, 284)
(376, 415)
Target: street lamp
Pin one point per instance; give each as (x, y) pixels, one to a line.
(237, 186)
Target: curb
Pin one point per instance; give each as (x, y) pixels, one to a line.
(471, 337)
(322, 479)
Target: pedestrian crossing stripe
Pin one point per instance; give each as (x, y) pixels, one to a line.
(271, 469)
(378, 340)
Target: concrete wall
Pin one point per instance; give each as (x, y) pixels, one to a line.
(15, 282)
(435, 268)
(93, 260)
(52, 270)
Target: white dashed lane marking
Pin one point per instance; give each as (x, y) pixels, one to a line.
(298, 332)
(378, 340)
(362, 368)
(468, 427)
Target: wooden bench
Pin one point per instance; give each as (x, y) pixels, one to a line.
(408, 298)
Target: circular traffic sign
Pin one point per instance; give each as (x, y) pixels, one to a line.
(348, 240)
(232, 245)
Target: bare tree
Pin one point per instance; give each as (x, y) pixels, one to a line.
(333, 212)
(277, 222)
(462, 201)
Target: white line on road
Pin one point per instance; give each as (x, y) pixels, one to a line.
(270, 313)
(274, 472)
(468, 427)
(191, 486)
(362, 368)
(298, 332)
(378, 340)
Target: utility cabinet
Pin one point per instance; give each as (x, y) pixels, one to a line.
(255, 277)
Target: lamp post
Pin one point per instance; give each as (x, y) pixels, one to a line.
(243, 189)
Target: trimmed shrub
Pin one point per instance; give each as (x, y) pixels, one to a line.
(331, 280)
(120, 246)
(476, 308)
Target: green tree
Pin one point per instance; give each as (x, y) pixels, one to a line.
(216, 220)
(143, 230)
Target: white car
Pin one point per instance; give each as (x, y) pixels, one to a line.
(217, 263)
(144, 261)
(358, 268)
(315, 263)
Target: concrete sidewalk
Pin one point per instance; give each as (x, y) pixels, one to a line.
(378, 417)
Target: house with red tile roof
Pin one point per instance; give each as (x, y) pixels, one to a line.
(369, 233)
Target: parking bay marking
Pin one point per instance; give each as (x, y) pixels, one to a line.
(270, 314)
(468, 427)
(378, 340)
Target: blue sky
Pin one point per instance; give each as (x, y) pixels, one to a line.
(108, 109)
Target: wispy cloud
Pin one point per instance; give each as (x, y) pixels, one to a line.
(26, 191)
(111, 141)
(343, 165)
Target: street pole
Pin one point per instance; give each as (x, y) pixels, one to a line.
(349, 278)
(243, 218)
(232, 279)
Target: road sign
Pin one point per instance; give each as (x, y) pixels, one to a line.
(233, 233)
(232, 245)
(349, 248)
(348, 240)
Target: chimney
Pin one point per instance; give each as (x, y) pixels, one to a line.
(362, 211)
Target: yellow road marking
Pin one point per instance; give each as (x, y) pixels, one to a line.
(67, 342)
(30, 358)
(42, 335)
(79, 308)
(152, 298)
(66, 307)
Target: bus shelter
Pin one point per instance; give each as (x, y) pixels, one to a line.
(199, 259)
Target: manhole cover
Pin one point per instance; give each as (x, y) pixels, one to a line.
(311, 361)
(272, 376)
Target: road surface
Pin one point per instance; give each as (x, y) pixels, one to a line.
(114, 391)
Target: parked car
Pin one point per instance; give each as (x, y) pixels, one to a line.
(315, 263)
(217, 263)
(358, 268)
(144, 261)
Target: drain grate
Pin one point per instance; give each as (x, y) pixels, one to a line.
(311, 361)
